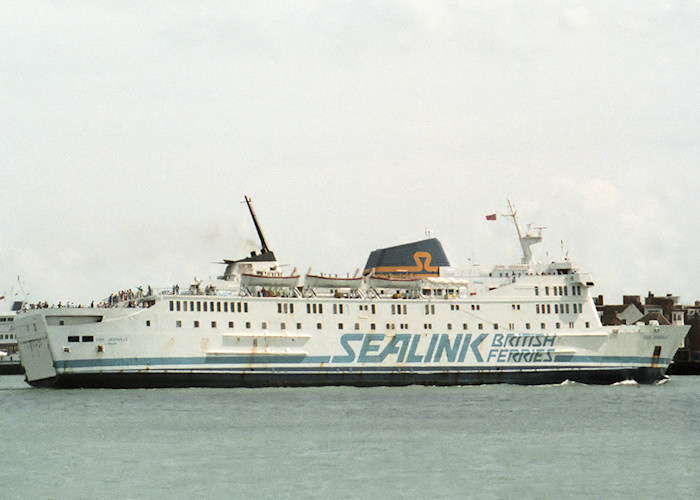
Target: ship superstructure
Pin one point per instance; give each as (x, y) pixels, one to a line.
(408, 318)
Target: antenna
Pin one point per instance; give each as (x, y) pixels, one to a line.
(257, 226)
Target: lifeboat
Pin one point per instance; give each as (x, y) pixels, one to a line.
(320, 281)
(270, 280)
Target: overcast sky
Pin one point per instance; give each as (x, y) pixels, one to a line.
(130, 132)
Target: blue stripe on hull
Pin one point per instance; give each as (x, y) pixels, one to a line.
(300, 359)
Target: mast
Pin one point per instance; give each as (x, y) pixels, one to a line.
(264, 248)
(527, 240)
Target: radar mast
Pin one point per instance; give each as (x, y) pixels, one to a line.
(528, 239)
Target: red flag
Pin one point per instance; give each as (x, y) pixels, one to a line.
(491, 217)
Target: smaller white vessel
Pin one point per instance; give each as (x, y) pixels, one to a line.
(9, 352)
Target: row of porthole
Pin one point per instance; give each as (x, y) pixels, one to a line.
(373, 326)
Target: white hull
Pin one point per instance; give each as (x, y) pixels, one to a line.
(145, 347)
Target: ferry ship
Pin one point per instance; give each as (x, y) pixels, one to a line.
(407, 318)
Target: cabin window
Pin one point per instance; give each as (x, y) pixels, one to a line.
(566, 290)
(372, 326)
(178, 324)
(319, 326)
(230, 324)
(88, 338)
(213, 324)
(571, 324)
(199, 306)
(465, 326)
(308, 308)
(554, 289)
(73, 338)
(191, 306)
(449, 326)
(196, 324)
(527, 326)
(291, 308)
(481, 326)
(495, 326)
(537, 290)
(218, 307)
(561, 290)
(204, 306)
(588, 324)
(543, 326)
(171, 305)
(225, 307)
(537, 308)
(546, 290)
(374, 309)
(283, 326)
(245, 307)
(264, 325)
(340, 326)
(148, 322)
(549, 309)
(298, 326)
(557, 325)
(247, 324)
(357, 326)
(566, 307)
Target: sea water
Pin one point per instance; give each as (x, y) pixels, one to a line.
(497, 441)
